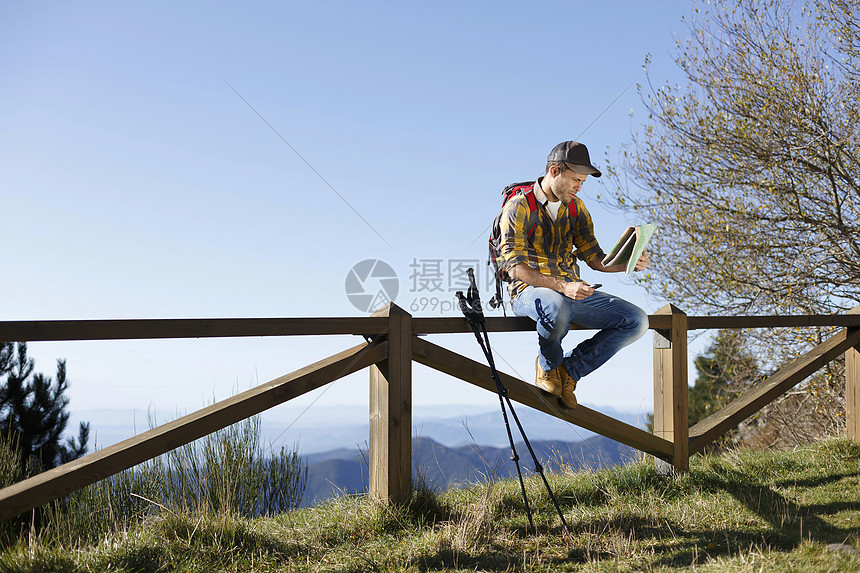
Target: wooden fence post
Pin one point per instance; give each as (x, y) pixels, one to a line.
(852, 394)
(852, 389)
(390, 455)
(671, 388)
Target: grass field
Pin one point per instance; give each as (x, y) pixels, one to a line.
(742, 511)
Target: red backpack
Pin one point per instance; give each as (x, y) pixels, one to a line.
(527, 189)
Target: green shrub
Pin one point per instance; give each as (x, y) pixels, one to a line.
(228, 472)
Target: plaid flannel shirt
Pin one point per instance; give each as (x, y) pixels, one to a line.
(554, 246)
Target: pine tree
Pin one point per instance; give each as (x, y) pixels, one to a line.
(33, 411)
(724, 370)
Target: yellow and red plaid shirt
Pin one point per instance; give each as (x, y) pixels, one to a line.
(554, 246)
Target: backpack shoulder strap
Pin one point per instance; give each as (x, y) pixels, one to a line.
(529, 193)
(526, 188)
(571, 208)
(531, 199)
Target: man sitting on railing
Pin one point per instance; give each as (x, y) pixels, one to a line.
(546, 285)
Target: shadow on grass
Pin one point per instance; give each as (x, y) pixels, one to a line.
(815, 481)
(789, 523)
(668, 544)
(786, 525)
(493, 560)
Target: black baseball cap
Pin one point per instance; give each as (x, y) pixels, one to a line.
(576, 155)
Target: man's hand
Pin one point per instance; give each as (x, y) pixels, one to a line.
(642, 262)
(576, 290)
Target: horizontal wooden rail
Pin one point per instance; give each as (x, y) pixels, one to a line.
(155, 328)
(131, 329)
(800, 321)
(60, 481)
(450, 325)
(780, 382)
(451, 363)
(459, 325)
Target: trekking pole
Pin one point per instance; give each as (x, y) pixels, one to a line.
(472, 310)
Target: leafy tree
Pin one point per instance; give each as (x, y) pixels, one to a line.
(751, 169)
(33, 411)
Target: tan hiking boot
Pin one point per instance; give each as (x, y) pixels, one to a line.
(551, 380)
(568, 386)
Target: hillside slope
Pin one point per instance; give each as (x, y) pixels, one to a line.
(742, 511)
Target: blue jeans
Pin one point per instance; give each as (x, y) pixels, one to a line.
(619, 321)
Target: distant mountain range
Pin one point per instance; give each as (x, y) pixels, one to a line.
(345, 471)
(323, 429)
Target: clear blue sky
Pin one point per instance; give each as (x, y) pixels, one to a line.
(135, 183)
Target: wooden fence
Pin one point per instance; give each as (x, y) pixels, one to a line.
(393, 340)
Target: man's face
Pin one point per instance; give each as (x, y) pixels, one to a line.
(567, 185)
